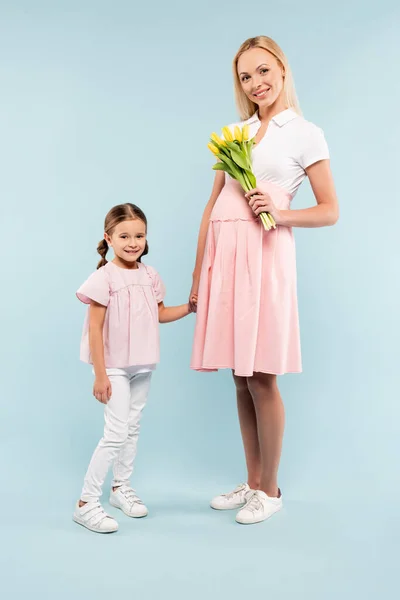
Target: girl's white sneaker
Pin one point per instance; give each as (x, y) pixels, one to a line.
(234, 499)
(126, 499)
(93, 516)
(258, 507)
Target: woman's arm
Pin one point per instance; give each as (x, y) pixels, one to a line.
(327, 210)
(167, 314)
(102, 386)
(325, 213)
(219, 182)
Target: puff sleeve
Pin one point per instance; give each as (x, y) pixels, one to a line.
(157, 284)
(96, 288)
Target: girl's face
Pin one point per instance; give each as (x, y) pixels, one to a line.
(261, 76)
(128, 240)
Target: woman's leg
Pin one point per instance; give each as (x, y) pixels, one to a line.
(270, 416)
(248, 427)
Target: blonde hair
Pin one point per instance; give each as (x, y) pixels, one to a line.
(245, 106)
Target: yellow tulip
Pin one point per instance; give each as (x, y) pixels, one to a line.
(213, 148)
(238, 133)
(245, 133)
(227, 134)
(217, 139)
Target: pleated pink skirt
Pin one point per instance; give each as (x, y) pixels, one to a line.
(247, 314)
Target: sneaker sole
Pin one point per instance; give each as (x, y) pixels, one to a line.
(259, 520)
(94, 529)
(127, 514)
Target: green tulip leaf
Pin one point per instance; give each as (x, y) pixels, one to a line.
(240, 159)
(222, 167)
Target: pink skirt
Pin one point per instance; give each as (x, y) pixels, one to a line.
(247, 315)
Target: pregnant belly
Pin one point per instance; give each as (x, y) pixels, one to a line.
(232, 205)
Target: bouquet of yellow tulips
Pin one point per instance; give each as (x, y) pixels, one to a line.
(234, 153)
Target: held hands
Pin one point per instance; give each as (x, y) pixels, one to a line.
(102, 389)
(193, 296)
(260, 202)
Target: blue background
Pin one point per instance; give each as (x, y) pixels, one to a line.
(107, 102)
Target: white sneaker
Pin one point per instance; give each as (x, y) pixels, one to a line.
(125, 498)
(93, 516)
(234, 499)
(258, 507)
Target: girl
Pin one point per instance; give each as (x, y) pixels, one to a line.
(121, 340)
(244, 281)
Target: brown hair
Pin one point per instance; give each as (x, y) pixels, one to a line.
(118, 214)
(244, 105)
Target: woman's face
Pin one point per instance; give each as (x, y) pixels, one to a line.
(261, 76)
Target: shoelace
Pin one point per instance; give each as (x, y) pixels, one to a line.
(253, 503)
(130, 495)
(237, 490)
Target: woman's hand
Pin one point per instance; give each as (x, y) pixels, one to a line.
(102, 389)
(260, 202)
(194, 294)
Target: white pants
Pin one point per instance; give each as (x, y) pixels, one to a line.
(121, 431)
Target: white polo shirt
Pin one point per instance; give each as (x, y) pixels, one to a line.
(289, 146)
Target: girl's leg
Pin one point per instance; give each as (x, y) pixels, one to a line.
(270, 415)
(123, 464)
(248, 427)
(116, 416)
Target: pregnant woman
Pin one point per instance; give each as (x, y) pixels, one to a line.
(244, 281)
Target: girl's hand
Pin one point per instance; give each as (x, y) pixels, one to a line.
(193, 296)
(102, 389)
(260, 202)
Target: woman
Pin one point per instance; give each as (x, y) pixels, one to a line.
(244, 281)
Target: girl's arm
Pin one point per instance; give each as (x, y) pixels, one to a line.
(167, 314)
(102, 386)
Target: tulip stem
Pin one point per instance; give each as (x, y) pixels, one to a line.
(238, 147)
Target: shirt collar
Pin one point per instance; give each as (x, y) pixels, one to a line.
(280, 119)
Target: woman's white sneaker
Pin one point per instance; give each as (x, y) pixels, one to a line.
(126, 499)
(93, 516)
(231, 500)
(258, 507)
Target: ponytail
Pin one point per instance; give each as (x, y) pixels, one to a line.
(102, 249)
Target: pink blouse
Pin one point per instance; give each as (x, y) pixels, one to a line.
(130, 334)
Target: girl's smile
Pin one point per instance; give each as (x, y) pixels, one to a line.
(128, 241)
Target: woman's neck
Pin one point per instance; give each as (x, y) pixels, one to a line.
(266, 113)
